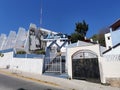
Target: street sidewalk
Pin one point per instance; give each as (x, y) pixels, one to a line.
(59, 82)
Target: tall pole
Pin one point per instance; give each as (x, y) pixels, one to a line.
(41, 14)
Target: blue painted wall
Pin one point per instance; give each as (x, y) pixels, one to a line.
(115, 35)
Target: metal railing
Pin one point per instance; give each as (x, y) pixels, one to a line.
(54, 66)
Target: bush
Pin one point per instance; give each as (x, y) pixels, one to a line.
(39, 51)
(21, 52)
(1, 54)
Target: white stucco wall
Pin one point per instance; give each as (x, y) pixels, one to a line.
(31, 65)
(108, 42)
(6, 59)
(115, 37)
(110, 69)
(114, 51)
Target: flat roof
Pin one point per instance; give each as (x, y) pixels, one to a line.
(115, 25)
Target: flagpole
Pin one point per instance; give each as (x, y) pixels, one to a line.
(41, 14)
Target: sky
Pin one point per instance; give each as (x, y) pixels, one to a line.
(58, 15)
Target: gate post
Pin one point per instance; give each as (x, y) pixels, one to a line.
(60, 65)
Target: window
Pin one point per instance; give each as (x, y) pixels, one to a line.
(108, 38)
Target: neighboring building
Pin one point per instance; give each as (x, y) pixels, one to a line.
(40, 38)
(13, 40)
(37, 37)
(10, 41)
(3, 38)
(112, 39)
(33, 39)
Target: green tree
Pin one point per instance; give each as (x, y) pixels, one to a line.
(80, 32)
(75, 37)
(95, 37)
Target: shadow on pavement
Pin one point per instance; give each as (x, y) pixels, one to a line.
(21, 89)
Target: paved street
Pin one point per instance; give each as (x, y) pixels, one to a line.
(11, 83)
(8, 83)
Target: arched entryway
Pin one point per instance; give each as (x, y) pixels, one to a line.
(85, 66)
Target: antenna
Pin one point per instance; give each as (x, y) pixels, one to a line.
(41, 14)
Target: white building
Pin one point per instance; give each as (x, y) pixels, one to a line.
(30, 41)
(82, 59)
(112, 39)
(3, 38)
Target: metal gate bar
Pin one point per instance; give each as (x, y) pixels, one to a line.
(53, 66)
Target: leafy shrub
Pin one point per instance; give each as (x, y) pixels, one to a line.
(21, 52)
(1, 54)
(39, 51)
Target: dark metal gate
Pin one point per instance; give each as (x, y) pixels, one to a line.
(85, 65)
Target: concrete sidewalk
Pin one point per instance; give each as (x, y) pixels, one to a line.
(59, 82)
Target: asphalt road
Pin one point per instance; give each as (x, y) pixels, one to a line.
(12, 83)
